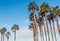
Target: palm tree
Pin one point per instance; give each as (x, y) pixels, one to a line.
(52, 12)
(40, 23)
(8, 35)
(40, 16)
(14, 28)
(3, 30)
(49, 18)
(56, 14)
(44, 9)
(34, 26)
(54, 30)
(33, 7)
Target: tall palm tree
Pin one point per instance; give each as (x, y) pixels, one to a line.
(44, 9)
(33, 7)
(3, 30)
(54, 30)
(49, 18)
(40, 23)
(56, 14)
(8, 35)
(34, 26)
(41, 16)
(52, 12)
(14, 28)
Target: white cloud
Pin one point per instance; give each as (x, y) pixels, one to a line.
(27, 20)
(25, 33)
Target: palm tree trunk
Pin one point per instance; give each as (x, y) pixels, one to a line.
(33, 34)
(42, 35)
(35, 26)
(54, 32)
(7, 39)
(57, 22)
(44, 28)
(45, 31)
(1, 37)
(51, 31)
(40, 32)
(34, 31)
(15, 36)
(47, 27)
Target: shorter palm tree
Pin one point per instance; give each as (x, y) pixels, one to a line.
(3, 30)
(8, 35)
(14, 28)
(49, 18)
(40, 23)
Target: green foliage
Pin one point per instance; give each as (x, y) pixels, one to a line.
(32, 5)
(3, 30)
(15, 27)
(44, 7)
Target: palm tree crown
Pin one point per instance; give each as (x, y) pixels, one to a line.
(15, 27)
(32, 6)
(3, 30)
(8, 34)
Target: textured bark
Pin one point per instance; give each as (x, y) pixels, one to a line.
(42, 35)
(54, 31)
(15, 36)
(1, 37)
(35, 27)
(45, 31)
(40, 32)
(34, 32)
(57, 22)
(51, 32)
(47, 27)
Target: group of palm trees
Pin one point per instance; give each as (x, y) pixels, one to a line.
(46, 20)
(4, 32)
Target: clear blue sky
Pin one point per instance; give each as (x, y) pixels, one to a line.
(16, 12)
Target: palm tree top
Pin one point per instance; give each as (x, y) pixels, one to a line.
(8, 33)
(58, 12)
(15, 27)
(40, 21)
(55, 7)
(3, 30)
(52, 12)
(44, 7)
(32, 5)
(55, 10)
(31, 16)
